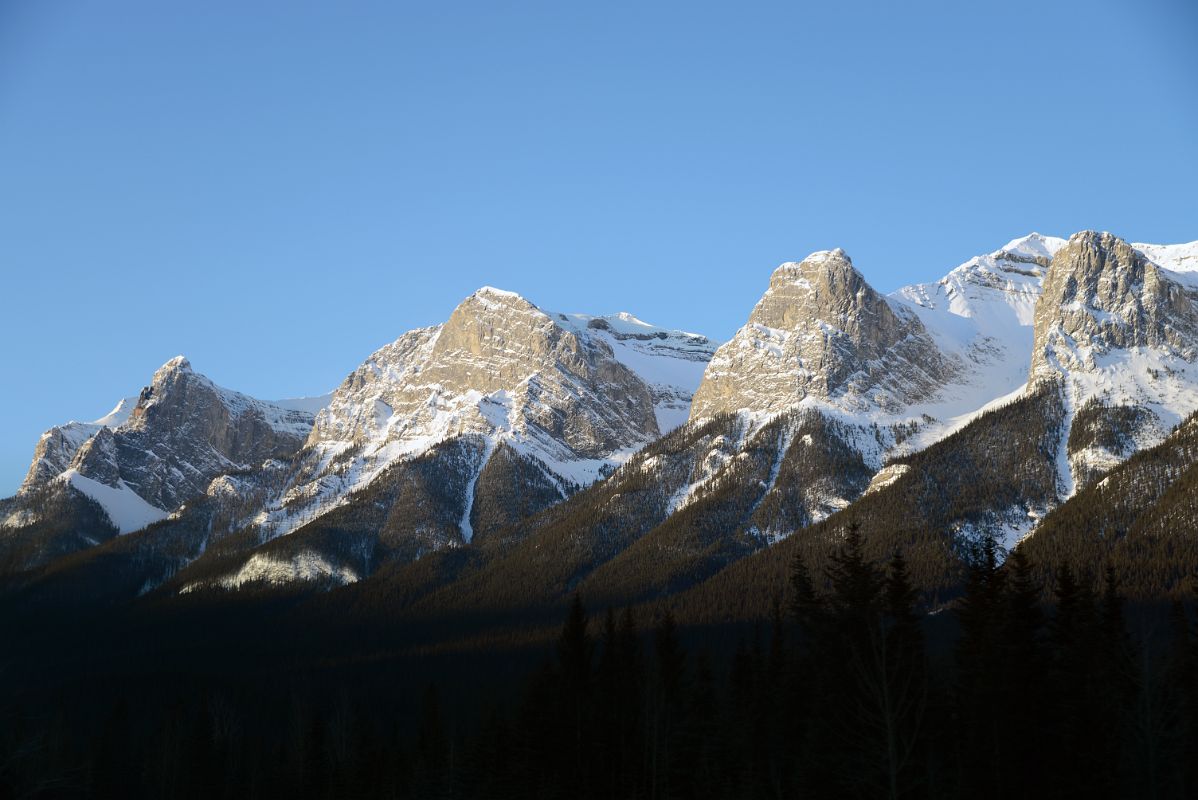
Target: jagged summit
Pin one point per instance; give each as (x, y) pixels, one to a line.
(575, 393)
(821, 330)
(1101, 294)
(826, 384)
(1119, 334)
(177, 363)
(159, 448)
(503, 294)
(835, 260)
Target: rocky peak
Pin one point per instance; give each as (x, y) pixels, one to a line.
(166, 378)
(574, 392)
(498, 363)
(176, 364)
(57, 447)
(825, 289)
(821, 330)
(495, 339)
(182, 431)
(55, 451)
(1101, 294)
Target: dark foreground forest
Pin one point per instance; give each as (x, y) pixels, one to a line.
(848, 690)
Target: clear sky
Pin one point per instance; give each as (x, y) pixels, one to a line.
(277, 188)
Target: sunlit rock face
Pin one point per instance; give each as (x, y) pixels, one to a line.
(820, 330)
(498, 362)
(1101, 294)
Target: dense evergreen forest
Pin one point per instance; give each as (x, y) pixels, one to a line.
(848, 689)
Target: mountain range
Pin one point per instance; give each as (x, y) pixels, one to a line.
(1037, 396)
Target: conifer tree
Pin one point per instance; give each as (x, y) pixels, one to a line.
(575, 652)
(665, 708)
(981, 655)
(630, 682)
(433, 764)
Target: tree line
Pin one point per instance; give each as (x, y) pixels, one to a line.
(850, 690)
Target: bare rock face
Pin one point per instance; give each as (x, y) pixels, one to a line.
(1100, 295)
(499, 362)
(57, 447)
(56, 450)
(99, 459)
(820, 330)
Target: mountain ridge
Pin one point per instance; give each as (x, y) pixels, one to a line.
(831, 394)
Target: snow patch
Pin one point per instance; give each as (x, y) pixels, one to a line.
(466, 528)
(1179, 260)
(124, 507)
(886, 476)
(305, 567)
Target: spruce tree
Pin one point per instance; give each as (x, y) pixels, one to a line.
(665, 708)
(981, 688)
(575, 652)
(432, 768)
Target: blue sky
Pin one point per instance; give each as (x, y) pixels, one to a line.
(276, 189)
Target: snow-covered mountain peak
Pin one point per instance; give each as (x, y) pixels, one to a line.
(1119, 334)
(168, 371)
(1102, 294)
(500, 294)
(177, 363)
(120, 413)
(1034, 247)
(164, 445)
(821, 263)
(577, 393)
(490, 298)
(1018, 266)
(456, 432)
(999, 290)
(631, 319)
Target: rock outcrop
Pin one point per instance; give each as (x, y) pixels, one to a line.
(1101, 294)
(157, 451)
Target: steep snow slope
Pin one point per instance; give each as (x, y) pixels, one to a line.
(982, 313)
(1181, 260)
(124, 507)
